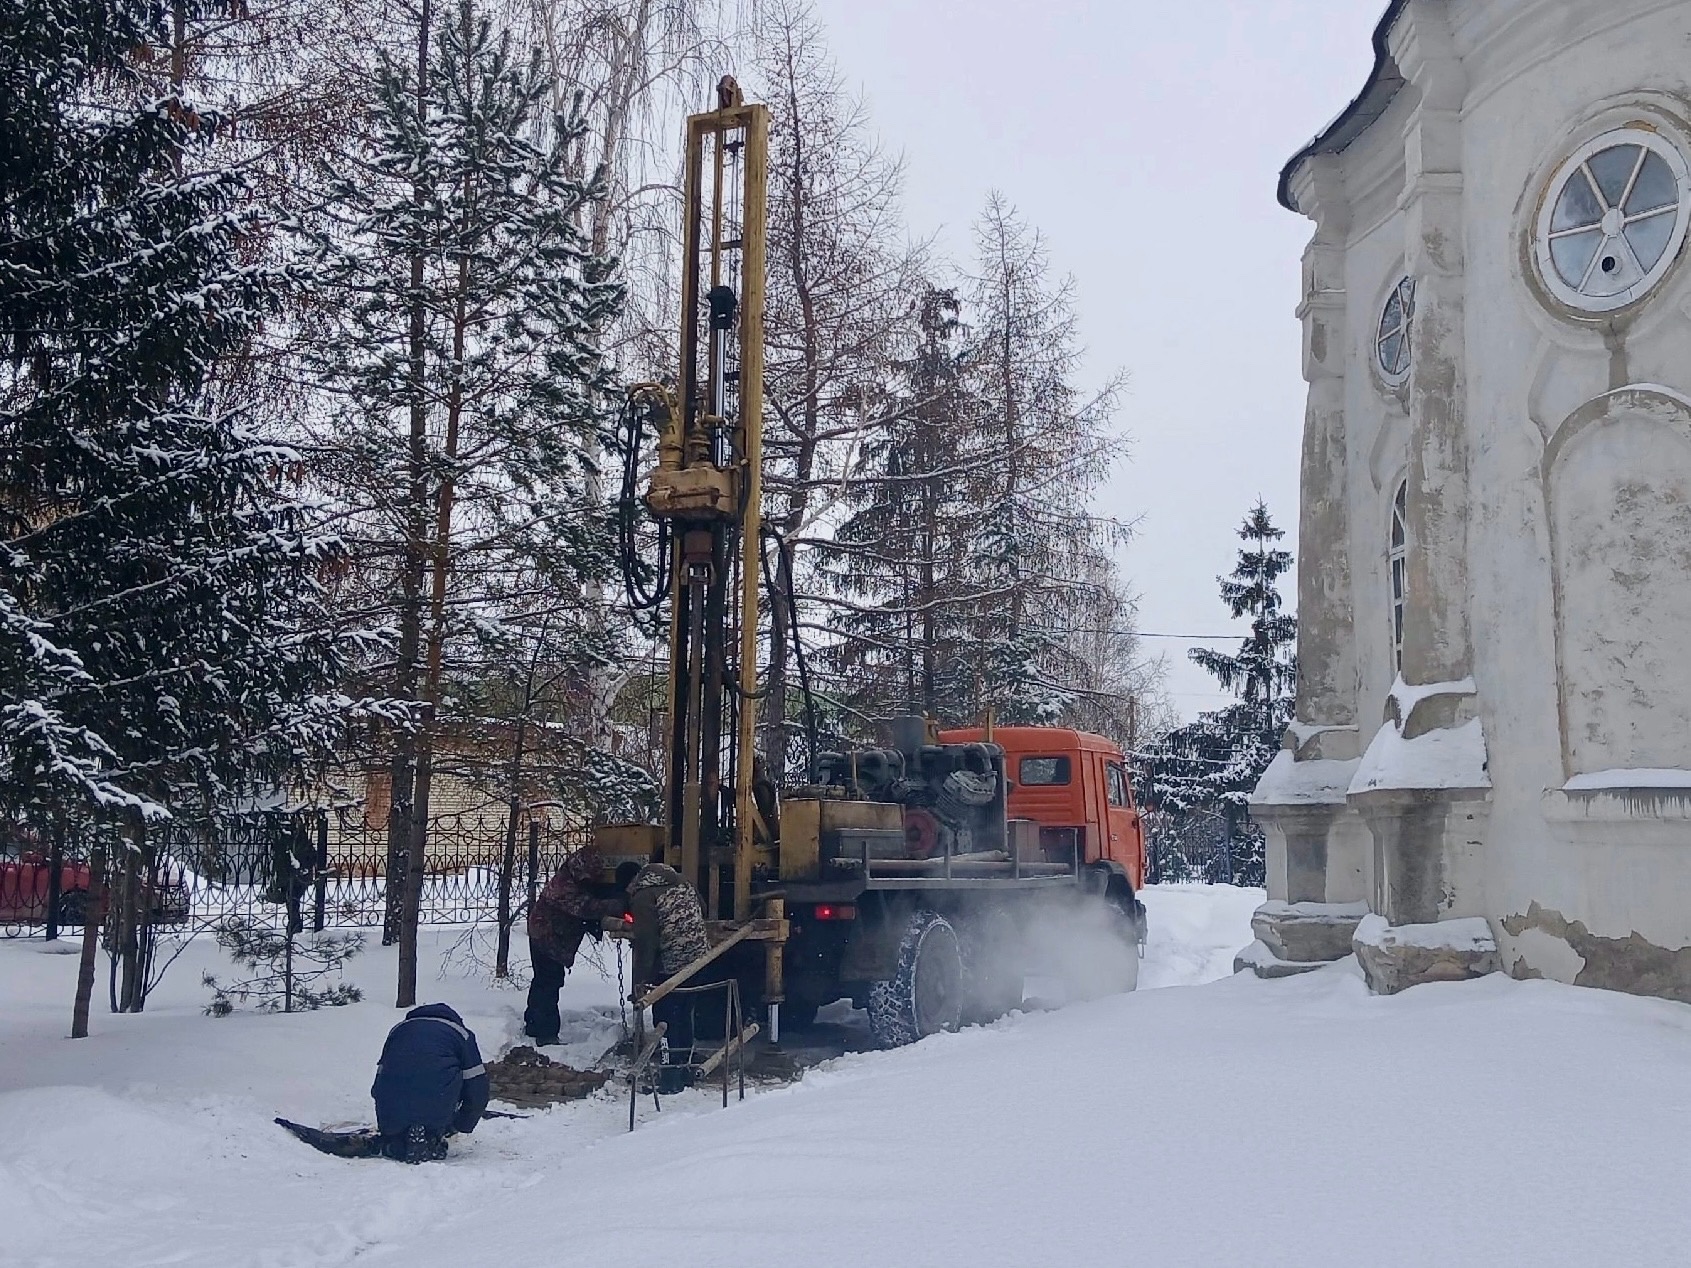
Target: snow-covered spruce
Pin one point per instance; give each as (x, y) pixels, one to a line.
(1209, 767)
(156, 580)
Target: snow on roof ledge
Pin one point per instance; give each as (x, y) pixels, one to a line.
(1604, 780)
(1470, 933)
(1453, 758)
(1289, 782)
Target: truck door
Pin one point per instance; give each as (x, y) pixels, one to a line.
(1123, 826)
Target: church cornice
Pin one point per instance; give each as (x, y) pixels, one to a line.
(1384, 83)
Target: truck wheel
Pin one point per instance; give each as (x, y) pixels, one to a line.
(1123, 975)
(73, 907)
(1106, 960)
(925, 994)
(993, 963)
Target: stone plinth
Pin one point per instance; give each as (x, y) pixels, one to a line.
(1296, 937)
(1262, 961)
(1308, 932)
(1396, 957)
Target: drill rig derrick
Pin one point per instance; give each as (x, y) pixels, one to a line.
(912, 885)
(707, 489)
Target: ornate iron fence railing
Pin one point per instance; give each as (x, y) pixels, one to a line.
(314, 869)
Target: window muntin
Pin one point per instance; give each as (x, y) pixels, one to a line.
(1398, 557)
(1045, 772)
(1391, 339)
(1115, 781)
(1613, 220)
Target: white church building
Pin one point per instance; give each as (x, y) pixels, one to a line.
(1494, 710)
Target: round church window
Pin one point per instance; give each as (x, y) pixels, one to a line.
(1614, 220)
(1391, 340)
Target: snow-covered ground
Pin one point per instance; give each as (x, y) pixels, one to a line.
(1211, 1122)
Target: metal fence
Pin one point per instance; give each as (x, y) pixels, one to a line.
(313, 868)
(1202, 848)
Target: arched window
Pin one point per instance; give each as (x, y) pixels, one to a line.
(1398, 556)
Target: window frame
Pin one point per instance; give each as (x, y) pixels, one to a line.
(1651, 140)
(1065, 767)
(1403, 292)
(1397, 567)
(1115, 777)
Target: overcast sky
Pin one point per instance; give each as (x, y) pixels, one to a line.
(1144, 140)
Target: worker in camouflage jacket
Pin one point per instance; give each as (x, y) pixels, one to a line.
(569, 908)
(669, 934)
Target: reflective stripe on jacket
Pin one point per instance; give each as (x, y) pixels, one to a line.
(431, 1074)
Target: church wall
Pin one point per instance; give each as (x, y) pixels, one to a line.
(1578, 547)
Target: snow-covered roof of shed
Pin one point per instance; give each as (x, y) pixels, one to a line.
(1355, 119)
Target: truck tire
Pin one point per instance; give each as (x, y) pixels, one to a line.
(925, 995)
(1125, 912)
(993, 968)
(1106, 962)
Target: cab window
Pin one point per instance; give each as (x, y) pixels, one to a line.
(1046, 771)
(1116, 778)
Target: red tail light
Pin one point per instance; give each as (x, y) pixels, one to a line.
(836, 911)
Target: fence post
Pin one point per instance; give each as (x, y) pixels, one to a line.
(533, 859)
(320, 898)
(1227, 846)
(55, 865)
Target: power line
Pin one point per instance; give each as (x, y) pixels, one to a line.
(1188, 638)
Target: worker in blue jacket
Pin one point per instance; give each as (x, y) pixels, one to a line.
(430, 1083)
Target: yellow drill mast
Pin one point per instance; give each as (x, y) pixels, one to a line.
(708, 487)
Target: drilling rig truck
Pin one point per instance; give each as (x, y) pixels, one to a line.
(921, 876)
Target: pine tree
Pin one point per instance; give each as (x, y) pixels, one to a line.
(1039, 538)
(1212, 765)
(155, 579)
(466, 314)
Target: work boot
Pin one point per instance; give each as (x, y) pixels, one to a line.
(423, 1145)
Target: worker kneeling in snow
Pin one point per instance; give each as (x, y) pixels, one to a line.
(430, 1083)
(669, 934)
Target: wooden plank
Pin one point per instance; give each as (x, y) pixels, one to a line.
(681, 978)
(727, 1050)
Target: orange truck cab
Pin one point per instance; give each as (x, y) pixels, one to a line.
(1070, 781)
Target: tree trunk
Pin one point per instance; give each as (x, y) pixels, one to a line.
(508, 859)
(415, 867)
(440, 564)
(128, 948)
(402, 811)
(145, 939)
(93, 917)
